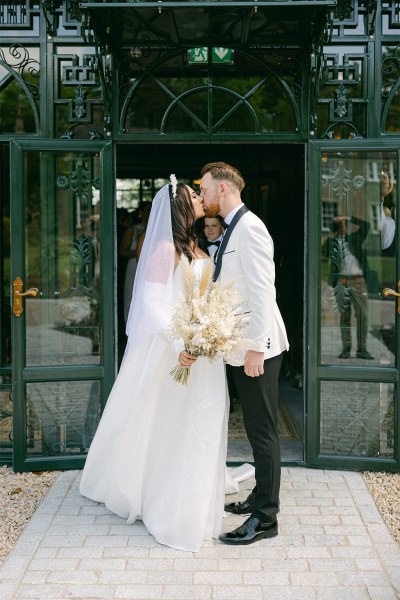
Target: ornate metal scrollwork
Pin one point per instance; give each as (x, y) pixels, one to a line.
(316, 70)
(69, 133)
(62, 182)
(79, 182)
(80, 77)
(99, 37)
(342, 103)
(79, 103)
(352, 132)
(23, 65)
(22, 68)
(390, 71)
(390, 85)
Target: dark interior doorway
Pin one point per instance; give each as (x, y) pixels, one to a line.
(275, 191)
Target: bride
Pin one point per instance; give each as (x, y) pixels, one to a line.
(160, 449)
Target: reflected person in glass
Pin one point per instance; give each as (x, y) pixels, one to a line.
(348, 275)
(388, 223)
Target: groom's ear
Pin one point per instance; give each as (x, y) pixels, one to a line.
(223, 188)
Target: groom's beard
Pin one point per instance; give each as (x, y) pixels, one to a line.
(213, 207)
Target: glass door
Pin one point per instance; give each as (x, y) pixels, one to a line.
(352, 347)
(62, 298)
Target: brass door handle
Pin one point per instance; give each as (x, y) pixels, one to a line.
(390, 292)
(18, 285)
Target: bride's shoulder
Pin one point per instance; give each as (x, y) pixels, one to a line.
(199, 253)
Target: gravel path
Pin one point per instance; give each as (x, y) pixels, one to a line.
(21, 493)
(385, 488)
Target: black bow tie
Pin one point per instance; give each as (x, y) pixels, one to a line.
(216, 243)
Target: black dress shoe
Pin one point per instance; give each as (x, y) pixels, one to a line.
(246, 507)
(251, 531)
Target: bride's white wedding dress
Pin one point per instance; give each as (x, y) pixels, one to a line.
(160, 449)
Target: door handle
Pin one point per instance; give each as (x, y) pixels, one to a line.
(18, 285)
(390, 292)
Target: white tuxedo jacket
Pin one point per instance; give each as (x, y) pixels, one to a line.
(248, 259)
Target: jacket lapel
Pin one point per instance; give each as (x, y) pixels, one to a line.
(225, 240)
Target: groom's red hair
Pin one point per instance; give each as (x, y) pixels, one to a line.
(223, 172)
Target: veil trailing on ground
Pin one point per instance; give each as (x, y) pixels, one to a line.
(152, 298)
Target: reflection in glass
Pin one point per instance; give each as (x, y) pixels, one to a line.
(62, 252)
(358, 258)
(62, 416)
(357, 418)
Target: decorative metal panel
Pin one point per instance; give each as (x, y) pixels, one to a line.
(78, 98)
(209, 99)
(18, 15)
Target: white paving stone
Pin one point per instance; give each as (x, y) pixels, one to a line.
(333, 545)
(340, 593)
(382, 593)
(294, 592)
(249, 592)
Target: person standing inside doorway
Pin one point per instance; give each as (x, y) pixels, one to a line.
(213, 232)
(246, 255)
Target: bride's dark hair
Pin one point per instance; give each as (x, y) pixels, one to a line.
(183, 221)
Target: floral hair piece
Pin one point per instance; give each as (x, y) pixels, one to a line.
(174, 183)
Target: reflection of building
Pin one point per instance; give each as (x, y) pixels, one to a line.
(91, 121)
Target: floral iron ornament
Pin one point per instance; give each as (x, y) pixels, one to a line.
(174, 184)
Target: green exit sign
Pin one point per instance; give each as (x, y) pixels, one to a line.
(219, 55)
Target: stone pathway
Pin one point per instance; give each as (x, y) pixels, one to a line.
(333, 545)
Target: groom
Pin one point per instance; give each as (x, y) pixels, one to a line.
(246, 255)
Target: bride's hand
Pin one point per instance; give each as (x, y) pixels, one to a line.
(186, 359)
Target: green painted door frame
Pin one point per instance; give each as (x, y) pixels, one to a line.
(343, 371)
(103, 371)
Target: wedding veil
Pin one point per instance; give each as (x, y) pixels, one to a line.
(152, 298)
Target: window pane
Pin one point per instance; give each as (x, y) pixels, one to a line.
(62, 416)
(62, 252)
(357, 418)
(358, 258)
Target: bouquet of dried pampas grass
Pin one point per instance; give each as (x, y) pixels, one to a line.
(207, 318)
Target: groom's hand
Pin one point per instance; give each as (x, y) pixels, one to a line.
(254, 363)
(186, 359)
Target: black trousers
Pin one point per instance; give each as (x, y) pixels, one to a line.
(259, 398)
